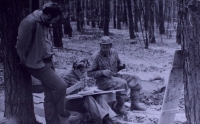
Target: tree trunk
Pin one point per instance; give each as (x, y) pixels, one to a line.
(35, 5)
(106, 17)
(78, 13)
(114, 14)
(118, 14)
(57, 29)
(125, 20)
(66, 21)
(18, 93)
(161, 18)
(102, 4)
(191, 70)
(92, 4)
(179, 33)
(87, 12)
(146, 15)
(136, 15)
(130, 17)
(151, 19)
(57, 34)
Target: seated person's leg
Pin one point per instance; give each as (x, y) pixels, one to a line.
(105, 106)
(118, 106)
(75, 105)
(94, 108)
(134, 83)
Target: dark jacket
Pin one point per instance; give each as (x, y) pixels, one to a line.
(31, 42)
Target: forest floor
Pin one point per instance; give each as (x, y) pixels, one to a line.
(152, 65)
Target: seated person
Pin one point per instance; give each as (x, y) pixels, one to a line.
(95, 105)
(105, 67)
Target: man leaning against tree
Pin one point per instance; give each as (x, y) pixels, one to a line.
(34, 47)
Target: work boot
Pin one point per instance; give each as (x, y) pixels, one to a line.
(135, 101)
(120, 108)
(114, 120)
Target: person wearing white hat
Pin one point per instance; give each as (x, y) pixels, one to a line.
(105, 67)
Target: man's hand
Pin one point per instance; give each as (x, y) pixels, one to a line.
(107, 73)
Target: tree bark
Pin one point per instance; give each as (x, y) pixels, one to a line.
(92, 4)
(179, 33)
(35, 5)
(18, 95)
(87, 12)
(130, 17)
(79, 15)
(136, 15)
(125, 19)
(161, 18)
(57, 29)
(118, 14)
(114, 14)
(106, 17)
(151, 19)
(191, 52)
(102, 6)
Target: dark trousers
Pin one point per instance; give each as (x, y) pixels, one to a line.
(96, 106)
(54, 91)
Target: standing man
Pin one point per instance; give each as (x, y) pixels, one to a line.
(34, 47)
(104, 69)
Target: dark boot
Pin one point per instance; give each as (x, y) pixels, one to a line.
(135, 98)
(119, 107)
(114, 120)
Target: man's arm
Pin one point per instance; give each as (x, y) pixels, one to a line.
(73, 84)
(25, 32)
(119, 65)
(93, 70)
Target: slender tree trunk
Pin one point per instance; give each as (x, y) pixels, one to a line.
(179, 33)
(35, 5)
(114, 14)
(146, 15)
(151, 26)
(102, 14)
(136, 14)
(92, 4)
(191, 52)
(118, 14)
(106, 17)
(125, 19)
(18, 94)
(87, 12)
(130, 17)
(57, 29)
(161, 18)
(57, 34)
(78, 13)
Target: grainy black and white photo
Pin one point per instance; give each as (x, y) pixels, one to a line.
(99, 61)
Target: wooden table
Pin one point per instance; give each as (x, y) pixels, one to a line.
(99, 92)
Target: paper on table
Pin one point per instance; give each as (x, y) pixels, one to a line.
(86, 92)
